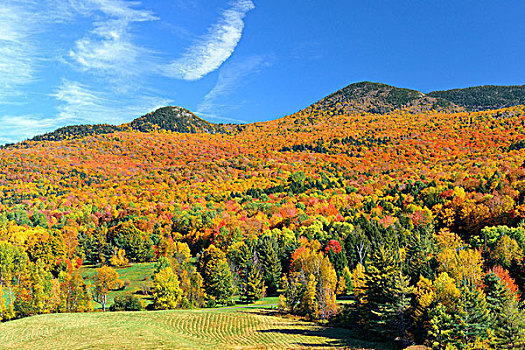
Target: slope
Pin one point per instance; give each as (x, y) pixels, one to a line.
(174, 119)
(368, 97)
(485, 97)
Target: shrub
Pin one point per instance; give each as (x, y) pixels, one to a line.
(127, 303)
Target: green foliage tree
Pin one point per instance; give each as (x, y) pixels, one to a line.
(167, 293)
(508, 317)
(127, 302)
(137, 244)
(473, 320)
(216, 274)
(270, 262)
(384, 303)
(253, 287)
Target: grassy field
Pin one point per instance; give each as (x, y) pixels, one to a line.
(137, 275)
(178, 329)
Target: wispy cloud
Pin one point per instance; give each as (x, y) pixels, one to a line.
(231, 77)
(22, 127)
(80, 104)
(210, 52)
(16, 52)
(109, 49)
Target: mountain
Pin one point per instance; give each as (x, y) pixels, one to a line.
(362, 97)
(174, 119)
(481, 98)
(368, 97)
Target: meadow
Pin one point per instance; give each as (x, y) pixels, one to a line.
(245, 328)
(137, 277)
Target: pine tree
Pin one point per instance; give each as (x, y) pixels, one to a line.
(220, 286)
(253, 287)
(377, 304)
(509, 319)
(442, 327)
(216, 274)
(271, 264)
(473, 320)
(419, 257)
(402, 292)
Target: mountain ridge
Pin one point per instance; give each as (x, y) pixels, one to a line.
(360, 97)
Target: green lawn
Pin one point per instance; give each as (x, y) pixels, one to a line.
(178, 329)
(138, 274)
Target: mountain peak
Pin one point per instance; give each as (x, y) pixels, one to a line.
(175, 119)
(370, 97)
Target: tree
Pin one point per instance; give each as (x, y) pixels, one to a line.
(309, 300)
(402, 293)
(127, 303)
(271, 265)
(473, 320)
(509, 318)
(35, 293)
(195, 292)
(344, 283)
(253, 287)
(137, 244)
(105, 280)
(376, 304)
(119, 259)
(506, 252)
(13, 265)
(75, 294)
(216, 274)
(167, 293)
(442, 327)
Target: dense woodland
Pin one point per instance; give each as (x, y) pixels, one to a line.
(416, 217)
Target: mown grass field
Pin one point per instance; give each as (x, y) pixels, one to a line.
(177, 329)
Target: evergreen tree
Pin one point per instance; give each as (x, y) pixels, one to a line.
(473, 320)
(377, 304)
(509, 319)
(402, 293)
(419, 257)
(271, 264)
(442, 327)
(216, 274)
(220, 286)
(253, 287)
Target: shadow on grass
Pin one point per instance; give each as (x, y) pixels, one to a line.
(335, 338)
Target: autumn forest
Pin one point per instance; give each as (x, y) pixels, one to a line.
(387, 211)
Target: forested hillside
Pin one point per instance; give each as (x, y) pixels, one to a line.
(485, 97)
(175, 119)
(412, 213)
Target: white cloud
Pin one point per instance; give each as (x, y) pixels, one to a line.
(22, 127)
(108, 49)
(16, 53)
(79, 104)
(209, 53)
(231, 77)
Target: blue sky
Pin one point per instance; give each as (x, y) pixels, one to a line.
(65, 62)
